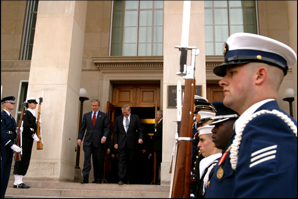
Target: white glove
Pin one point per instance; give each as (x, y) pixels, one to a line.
(34, 136)
(16, 148)
(39, 121)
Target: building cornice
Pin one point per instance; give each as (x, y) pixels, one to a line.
(129, 62)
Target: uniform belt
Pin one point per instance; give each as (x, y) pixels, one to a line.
(9, 132)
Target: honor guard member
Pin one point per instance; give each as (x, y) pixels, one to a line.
(28, 136)
(261, 159)
(223, 123)
(211, 156)
(8, 134)
(203, 112)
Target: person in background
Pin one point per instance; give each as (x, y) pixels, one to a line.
(28, 136)
(8, 134)
(157, 143)
(211, 156)
(203, 112)
(261, 159)
(223, 125)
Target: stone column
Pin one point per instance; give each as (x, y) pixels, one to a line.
(173, 12)
(56, 72)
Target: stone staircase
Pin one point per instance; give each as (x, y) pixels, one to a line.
(55, 189)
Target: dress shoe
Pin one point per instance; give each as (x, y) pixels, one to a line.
(97, 182)
(84, 181)
(22, 186)
(120, 182)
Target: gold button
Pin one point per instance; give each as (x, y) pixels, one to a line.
(194, 168)
(195, 162)
(259, 57)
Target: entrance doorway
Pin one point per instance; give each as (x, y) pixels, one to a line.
(144, 100)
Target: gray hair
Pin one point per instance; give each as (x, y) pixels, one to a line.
(126, 106)
(96, 100)
(160, 112)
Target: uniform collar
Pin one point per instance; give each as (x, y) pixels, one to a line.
(248, 113)
(8, 113)
(206, 162)
(32, 111)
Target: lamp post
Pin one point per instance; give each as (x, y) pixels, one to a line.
(83, 94)
(289, 93)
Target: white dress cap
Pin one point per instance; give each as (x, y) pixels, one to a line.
(206, 114)
(242, 48)
(205, 129)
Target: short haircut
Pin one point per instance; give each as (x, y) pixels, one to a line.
(96, 100)
(126, 106)
(160, 112)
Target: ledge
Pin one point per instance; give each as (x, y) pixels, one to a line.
(129, 62)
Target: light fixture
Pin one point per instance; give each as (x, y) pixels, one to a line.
(289, 93)
(83, 94)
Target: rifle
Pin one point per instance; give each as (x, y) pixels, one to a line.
(18, 141)
(39, 143)
(181, 180)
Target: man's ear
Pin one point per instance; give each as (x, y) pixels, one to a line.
(261, 75)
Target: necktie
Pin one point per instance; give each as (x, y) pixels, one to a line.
(126, 123)
(94, 119)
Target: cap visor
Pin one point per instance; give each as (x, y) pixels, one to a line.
(215, 121)
(221, 69)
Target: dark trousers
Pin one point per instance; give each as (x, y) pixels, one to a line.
(6, 160)
(21, 167)
(158, 164)
(98, 162)
(126, 167)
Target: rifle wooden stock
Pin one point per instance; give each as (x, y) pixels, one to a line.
(181, 182)
(39, 145)
(18, 155)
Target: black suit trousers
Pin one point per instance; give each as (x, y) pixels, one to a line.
(127, 162)
(98, 154)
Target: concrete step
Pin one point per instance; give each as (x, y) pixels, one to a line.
(56, 189)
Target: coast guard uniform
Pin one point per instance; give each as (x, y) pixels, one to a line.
(262, 154)
(8, 134)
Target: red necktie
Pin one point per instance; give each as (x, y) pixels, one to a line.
(94, 119)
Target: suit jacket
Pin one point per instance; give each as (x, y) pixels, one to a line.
(157, 137)
(134, 132)
(275, 176)
(94, 134)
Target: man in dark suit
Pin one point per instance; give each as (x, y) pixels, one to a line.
(98, 128)
(127, 134)
(157, 143)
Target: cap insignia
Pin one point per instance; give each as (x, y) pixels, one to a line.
(259, 57)
(225, 49)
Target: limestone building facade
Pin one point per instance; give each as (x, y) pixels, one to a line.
(121, 52)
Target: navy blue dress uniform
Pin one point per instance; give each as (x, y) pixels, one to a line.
(8, 135)
(200, 104)
(29, 131)
(261, 158)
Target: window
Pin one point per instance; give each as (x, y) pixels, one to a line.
(21, 99)
(223, 18)
(137, 28)
(29, 30)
